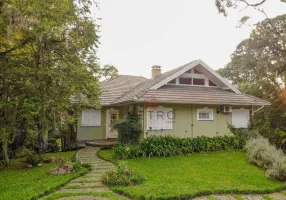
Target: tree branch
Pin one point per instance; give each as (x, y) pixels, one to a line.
(255, 4)
(22, 44)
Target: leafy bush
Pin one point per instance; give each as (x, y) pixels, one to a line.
(161, 146)
(122, 176)
(129, 129)
(127, 151)
(32, 158)
(60, 162)
(53, 146)
(170, 146)
(266, 156)
(76, 165)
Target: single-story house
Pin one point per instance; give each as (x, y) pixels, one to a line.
(188, 101)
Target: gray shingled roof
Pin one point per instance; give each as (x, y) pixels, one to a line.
(200, 95)
(146, 85)
(113, 89)
(124, 89)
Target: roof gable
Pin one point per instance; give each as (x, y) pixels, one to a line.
(210, 72)
(157, 87)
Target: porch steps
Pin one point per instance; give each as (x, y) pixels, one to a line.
(108, 143)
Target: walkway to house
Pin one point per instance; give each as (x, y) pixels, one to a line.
(87, 187)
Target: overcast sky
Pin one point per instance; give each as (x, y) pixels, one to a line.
(137, 34)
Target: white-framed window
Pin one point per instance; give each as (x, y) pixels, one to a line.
(160, 118)
(91, 117)
(205, 114)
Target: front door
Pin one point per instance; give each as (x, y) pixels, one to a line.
(112, 117)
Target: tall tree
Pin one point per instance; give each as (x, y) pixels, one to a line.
(258, 67)
(109, 72)
(223, 5)
(48, 66)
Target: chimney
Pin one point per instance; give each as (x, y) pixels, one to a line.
(156, 71)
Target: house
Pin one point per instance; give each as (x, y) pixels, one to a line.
(188, 101)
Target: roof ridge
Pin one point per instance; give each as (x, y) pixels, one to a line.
(149, 83)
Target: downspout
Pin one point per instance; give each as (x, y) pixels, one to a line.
(257, 110)
(192, 122)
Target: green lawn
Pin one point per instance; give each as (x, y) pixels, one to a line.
(194, 175)
(17, 182)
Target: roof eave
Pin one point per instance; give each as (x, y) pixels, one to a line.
(209, 103)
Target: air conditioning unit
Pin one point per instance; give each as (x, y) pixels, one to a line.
(226, 109)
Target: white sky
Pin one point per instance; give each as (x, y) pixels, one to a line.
(137, 34)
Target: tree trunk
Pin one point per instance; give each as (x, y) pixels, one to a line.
(5, 153)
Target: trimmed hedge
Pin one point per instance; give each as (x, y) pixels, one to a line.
(170, 146)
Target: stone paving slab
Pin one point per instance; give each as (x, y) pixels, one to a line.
(224, 197)
(96, 175)
(83, 190)
(83, 198)
(252, 197)
(87, 179)
(86, 184)
(201, 198)
(277, 196)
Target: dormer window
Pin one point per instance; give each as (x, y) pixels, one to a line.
(185, 81)
(197, 81)
(192, 77)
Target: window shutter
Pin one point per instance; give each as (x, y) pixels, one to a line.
(91, 118)
(96, 117)
(240, 118)
(159, 118)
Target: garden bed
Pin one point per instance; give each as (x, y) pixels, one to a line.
(194, 175)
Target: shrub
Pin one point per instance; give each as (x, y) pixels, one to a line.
(63, 167)
(266, 156)
(32, 158)
(53, 146)
(160, 146)
(76, 165)
(127, 151)
(170, 146)
(129, 129)
(122, 176)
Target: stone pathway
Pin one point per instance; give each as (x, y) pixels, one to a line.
(274, 196)
(87, 187)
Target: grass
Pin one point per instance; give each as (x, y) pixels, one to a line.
(195, 175)
(107, 195)
(18, 182)
(266, 198)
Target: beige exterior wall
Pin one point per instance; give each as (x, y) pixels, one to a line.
(98, 132)
(185, 123)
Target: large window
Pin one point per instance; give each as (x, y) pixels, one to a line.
(205, 114)
(91, 118)
(160, 118)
